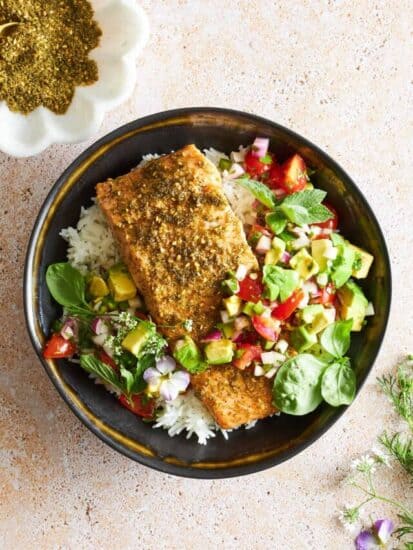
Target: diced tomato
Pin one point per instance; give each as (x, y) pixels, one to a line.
(293, 175)
(266, 327)
(58, 347)
(325, 295)
(331, 223)
(275, 176)
(287, 308)
(253, 165)
(250, 290)
(140, 405)
(258, 229)
(250, 353)
(107, 359)
(141, 315)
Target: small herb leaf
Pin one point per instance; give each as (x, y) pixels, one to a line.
(280, 282)
(338, 385)
(260, 191)
(93, 365)
(305, 207)
(335, 339)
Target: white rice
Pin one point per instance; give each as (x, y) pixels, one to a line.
(91, 247)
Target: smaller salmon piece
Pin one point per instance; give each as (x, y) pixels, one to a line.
(232, 396)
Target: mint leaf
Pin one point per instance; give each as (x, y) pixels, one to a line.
(280, 282)
(305, 207)
(338, 385)
(93, 365)
(260, 191)
(276, 221)
(335, 339)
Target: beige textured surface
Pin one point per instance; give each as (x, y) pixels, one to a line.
(339, 73)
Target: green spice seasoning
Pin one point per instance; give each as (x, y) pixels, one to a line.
(44, 56)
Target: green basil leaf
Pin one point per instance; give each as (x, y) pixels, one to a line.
(335, 338)
(307, 199)
(297, 385)
(67, 285)
(276, 221)
(128, 379)
(260, 191)
(338, 385)
(280, 282)
(93, 365)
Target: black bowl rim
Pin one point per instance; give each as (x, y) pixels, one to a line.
(141, 455)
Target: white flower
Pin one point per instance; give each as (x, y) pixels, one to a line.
(364, 464)
(350, 517)
(165, 380)
(381, 457)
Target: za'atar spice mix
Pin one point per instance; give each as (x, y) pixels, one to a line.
(44, 55)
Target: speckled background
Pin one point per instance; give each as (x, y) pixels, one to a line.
(340, 73)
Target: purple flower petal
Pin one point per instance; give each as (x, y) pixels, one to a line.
(168, 390)
(366, 541)
(152, 376)
(384, 529)
(180, 379)
(166, 364)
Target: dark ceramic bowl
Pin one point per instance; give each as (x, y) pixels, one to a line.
(272, 440)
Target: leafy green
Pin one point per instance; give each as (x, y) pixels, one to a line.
(67, 286)
(260, 191)
(276, 221)
(305, 207)
(297, 385)
(399, 389)
(335, 338)
(93, 365)
(133, 380)
(280, 282)
(343, 265)
(338, 384)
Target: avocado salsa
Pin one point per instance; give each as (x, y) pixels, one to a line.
(289, 321)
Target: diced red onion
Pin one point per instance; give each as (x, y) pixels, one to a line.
(271, 372)
(312, 288)
(260, 147)
(99, 326)
(234, 172)
(212, 336)
(258, 370)
(225, 318)
(236, 335)
(241, 322)
(263, 244)
(241, 272)
(239, 156)
(69, 329)
(285, 258)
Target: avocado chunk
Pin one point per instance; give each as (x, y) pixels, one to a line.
(219, 352)
(228, 329)
(98, 287)
(304, 264)
(316, 317)
(353, 304)
(362, 262)
(277, 250)
(233, 305)
(187, 353)
(136, 339)
(121, 284)
(301, 339)
(322, 250)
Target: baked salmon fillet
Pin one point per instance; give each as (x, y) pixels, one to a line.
(232, 396)
(179, 237)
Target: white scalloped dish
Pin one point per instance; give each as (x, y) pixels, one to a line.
(125, 32)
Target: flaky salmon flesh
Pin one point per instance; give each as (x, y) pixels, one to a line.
(179, 237)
